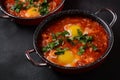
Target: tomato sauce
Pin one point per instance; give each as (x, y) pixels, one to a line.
(25, 9)
(89, 55)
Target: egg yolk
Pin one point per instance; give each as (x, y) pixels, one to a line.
(66, 58)
(32, 12)
(73, 29)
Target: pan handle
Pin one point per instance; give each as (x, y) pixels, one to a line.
(3, 15)
(114, 15)
(28, 52)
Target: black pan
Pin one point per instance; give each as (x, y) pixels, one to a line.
(72, 13)
(26, 21)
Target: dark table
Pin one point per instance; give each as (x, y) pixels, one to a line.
(16, 39)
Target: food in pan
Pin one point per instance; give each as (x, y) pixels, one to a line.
(31, 8)
(73, 41)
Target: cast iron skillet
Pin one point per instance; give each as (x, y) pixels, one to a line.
(73, 13)
(26, 21)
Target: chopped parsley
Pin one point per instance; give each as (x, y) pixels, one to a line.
(60, 51)
(17, 6)
(84, 38)
(44, 8)
(64, 33)
(94, 47)
(81, 50)
(54, 37)
(60, 37)
(52, 45)
(70, 40)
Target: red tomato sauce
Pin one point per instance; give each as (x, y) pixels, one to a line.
(27, 13)
(89, 27)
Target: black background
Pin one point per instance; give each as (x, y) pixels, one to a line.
(16, 39)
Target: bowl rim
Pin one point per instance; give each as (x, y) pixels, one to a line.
(110, 43)
(10, 15)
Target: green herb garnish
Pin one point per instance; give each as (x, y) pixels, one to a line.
(81, 50)
(58, 34)
(94, 47)
(84, 38)
(70, 40)
(31, 1)
(54, 37)
(17, 7)
(60, 51)
(64, 33)
(79, 32)
(44, 8)
(52, 45)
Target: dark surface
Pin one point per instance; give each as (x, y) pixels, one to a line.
(16, 39)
